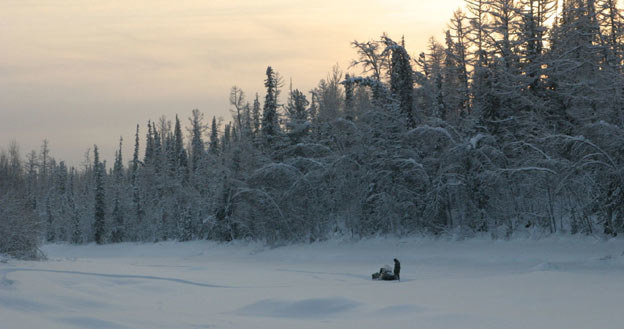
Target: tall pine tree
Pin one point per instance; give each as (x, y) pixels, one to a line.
(99, 220)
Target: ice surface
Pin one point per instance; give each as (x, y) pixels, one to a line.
(557, 282)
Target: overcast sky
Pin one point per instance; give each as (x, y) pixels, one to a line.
(84, 72)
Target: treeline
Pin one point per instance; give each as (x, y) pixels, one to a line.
(514, 123)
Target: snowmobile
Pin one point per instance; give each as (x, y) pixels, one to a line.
(385, 274)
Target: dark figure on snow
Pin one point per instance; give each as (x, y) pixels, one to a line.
(397, 269)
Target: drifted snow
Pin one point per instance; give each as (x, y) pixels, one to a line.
(551, 283)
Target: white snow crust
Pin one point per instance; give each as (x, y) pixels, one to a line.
(559, 282)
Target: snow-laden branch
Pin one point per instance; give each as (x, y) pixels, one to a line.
(474, 141)
(584, 140)
(261, 193)
(530, 168)
(404, 163)
(426, 128)
(535, 148)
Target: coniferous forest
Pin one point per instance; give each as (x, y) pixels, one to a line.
(513, 123)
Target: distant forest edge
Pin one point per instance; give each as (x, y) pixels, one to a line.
(514, 123)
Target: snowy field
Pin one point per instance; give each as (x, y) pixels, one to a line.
(552, 283)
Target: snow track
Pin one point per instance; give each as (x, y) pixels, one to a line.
(116, 276)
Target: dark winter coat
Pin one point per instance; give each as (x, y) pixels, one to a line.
(397, 269)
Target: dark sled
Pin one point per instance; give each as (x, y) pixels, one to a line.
(384, 274)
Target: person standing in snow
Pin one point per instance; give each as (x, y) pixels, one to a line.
(397, 269)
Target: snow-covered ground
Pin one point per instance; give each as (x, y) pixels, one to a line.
(550, 283)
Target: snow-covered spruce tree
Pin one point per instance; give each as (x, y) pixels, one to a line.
(76, 226)
(181, 156)
(255, 116)
(401, 78)
(51, 216)
(297, 123)
(200, 166)
(137, 212)
(146, 187)
(63, 206)
(57, 210)
(44, 162)
(170, 184)
(44, 209)
(226, 139)
(158, 148)
(118, 216)
(148, 155)
(247, 130)
(197, 149)
(84, 197)
(214, 137)
(99, 216)
(31, 179)
(224, 228)
(270, 122)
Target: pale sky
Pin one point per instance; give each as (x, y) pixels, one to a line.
(84, 72)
